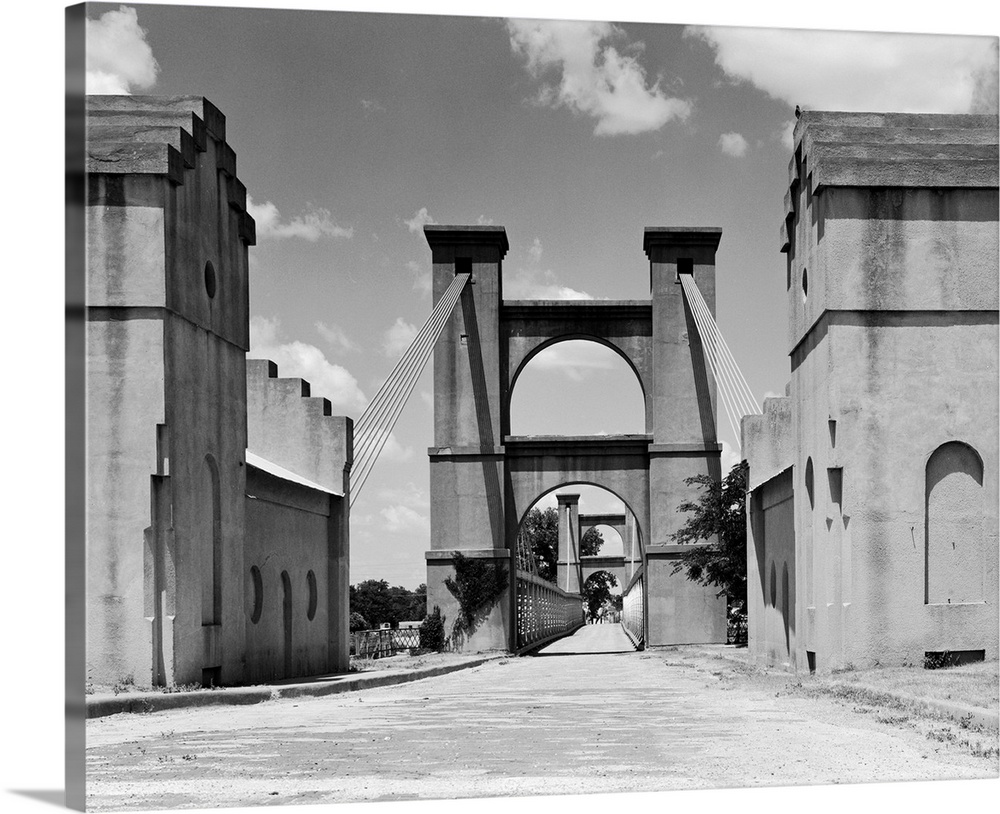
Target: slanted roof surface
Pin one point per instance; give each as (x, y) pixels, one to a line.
(285, 474)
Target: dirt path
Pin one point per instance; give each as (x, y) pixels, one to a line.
(566, 721)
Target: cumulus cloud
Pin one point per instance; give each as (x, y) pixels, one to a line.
(397, 338)
(730, 457)
(733, 144)
(786, 134)
(535, 284)
(311, 225)
(371, 106)
(595, 78)
(118, 56)
(337, 338)
(390, 449)
(535, 250)
(771, 394)
(295, 358)
(419, 220)
(576, 359)
(405, 509)
(403, 518)
(421, 277)
(410, 496)
(849, 70)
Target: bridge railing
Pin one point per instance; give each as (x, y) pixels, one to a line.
(632, 610)
(544, 611)
(376, 644)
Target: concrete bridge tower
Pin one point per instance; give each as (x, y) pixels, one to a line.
(483, 480)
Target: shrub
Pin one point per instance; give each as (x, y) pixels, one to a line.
(432, 631)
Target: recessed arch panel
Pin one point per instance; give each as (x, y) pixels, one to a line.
(624, 326)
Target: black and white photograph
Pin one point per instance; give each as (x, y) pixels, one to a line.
(511, 404)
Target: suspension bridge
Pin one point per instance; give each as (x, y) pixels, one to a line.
(484, 480)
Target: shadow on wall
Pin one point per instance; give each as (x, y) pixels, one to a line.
(478, 586)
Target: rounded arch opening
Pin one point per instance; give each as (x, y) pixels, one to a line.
(257, 582)
(602, 596)
(576, 386)
(313, 590)
(612, 544)
(537, 541)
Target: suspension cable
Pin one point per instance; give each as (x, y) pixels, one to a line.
(738, 400)
(375, 425)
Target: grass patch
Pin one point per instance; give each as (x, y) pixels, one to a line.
(974, 685)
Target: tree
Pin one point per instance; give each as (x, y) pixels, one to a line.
(718, 517)
(539, 534)
(597, 592)
(591, 542)
(358, 622)
(380, 604)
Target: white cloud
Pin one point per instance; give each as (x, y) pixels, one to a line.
(421, 277)
(427, 398)
(594, 79)
(535, 250)
(733, 144)
(482, 220)
(575, 359)
(410, 496)
(403, 518)
(770, 394)
(371, 106)
(337, 338)
(849, 70)
(533, 284)
(311, 225)
(419, 220)
(118, 56)
(305, 361)
(786, 134)
(397, 338)
(395, 451)
(730, 457)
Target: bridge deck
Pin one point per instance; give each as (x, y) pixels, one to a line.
(590, 639)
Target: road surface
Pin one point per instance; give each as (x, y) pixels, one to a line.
(587, 714)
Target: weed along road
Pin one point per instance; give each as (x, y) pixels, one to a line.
(586, 714)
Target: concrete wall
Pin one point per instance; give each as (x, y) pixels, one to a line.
(170, 524)
(165, 584)
(771, 575)
(291, 530)
(289, 428)
(892, 302)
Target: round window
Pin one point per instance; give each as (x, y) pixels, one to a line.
(210, 282)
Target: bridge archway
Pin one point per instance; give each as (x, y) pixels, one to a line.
(576, 385)
(601, 585)
(484, 479)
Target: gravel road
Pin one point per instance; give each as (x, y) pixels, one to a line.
(585, 715)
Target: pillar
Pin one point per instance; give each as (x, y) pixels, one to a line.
(684, 442)
(466, 461)
(568, 555)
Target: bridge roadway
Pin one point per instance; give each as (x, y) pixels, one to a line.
(587, 714)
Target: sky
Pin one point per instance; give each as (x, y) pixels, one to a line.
(352, 131)
(32, 62)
